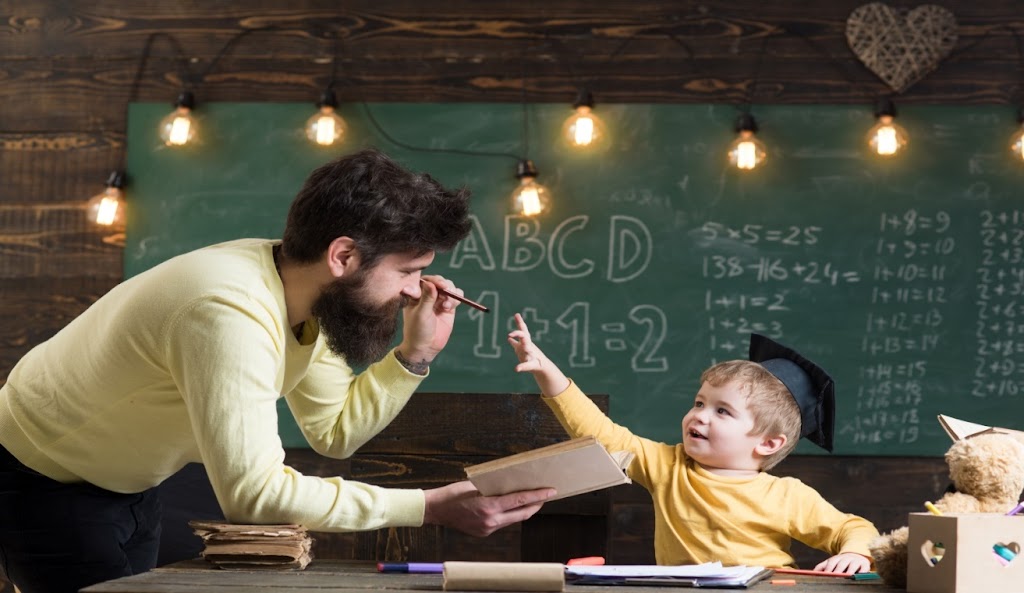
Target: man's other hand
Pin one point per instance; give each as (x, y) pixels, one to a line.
(460, 506)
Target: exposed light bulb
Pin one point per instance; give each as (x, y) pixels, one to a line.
(886, 137)
(106, 209)
(326, 127)
(583, 129)
(1017, 140)
(529, 198)
(179, 127)
(746, 152)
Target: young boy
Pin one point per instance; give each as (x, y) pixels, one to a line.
(712, 497)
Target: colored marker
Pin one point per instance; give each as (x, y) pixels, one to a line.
(1016, 509)
(586, 561)
(814, 573)
(411, 567)
(1005, 552)
(865, 576)
(932, 508)
(783, 581)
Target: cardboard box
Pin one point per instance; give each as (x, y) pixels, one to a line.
(968, 563)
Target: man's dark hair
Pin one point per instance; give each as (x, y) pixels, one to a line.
(384, 207)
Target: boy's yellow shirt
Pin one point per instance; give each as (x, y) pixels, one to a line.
(703, 517)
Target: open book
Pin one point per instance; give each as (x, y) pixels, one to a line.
(570, 467)
(961, 429)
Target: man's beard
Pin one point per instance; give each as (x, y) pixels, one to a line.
(355, 327)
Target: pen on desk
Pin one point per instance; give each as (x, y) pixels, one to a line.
(932, 508)
(808, 572)
(461, 299)
(1016, 509)
(411, 567)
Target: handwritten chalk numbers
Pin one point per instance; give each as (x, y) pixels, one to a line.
(649, 325)
(999, 330)
(753, 234)
(900, 336)
(487, 344)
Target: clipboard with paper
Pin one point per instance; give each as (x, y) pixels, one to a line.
(706, 575)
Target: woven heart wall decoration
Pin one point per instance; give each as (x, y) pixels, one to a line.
(901, 48)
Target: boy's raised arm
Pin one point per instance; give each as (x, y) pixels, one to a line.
(549, 377)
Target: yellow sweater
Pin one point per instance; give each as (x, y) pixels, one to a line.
(186, 362)
(702, 517)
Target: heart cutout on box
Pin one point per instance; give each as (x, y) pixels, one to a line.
(901, 49)
(932, 552)
(1005, 553)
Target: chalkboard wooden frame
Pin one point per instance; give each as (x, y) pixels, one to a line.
(900, 276)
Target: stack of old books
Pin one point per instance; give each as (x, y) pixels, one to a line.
(273, 547)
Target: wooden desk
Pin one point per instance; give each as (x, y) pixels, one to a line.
(333, 576)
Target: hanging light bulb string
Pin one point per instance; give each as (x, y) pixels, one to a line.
(957, 52)
(405, 145)
(1019, 43)
(326, 127)
(1016, 98)
(184, 73)
(859, 86)
(233, 42)
(1018, 91)
(185, 98)
(107, 208)
(583, 86)
(748, 100)
(184, 76)
(395, 141)
(525, 119)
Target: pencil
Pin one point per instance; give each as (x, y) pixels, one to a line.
(461, 299)
(816, 573)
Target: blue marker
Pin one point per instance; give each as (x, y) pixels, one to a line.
(411, 567)
(1005, 552)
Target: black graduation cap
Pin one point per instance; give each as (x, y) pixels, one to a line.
(812, 388)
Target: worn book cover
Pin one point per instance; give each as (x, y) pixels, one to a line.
(270, 547)
(570, 467)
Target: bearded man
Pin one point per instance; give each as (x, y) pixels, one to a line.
(186, 361)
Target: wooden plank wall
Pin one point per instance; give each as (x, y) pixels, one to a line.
(66, 72)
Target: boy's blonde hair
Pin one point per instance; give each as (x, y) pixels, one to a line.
(769, 400)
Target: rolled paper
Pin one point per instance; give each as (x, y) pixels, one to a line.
(504, 576)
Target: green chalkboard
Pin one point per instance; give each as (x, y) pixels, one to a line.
(902, 277)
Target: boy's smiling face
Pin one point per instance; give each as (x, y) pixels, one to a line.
(716, 431)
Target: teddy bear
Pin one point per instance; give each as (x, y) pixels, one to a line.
(987, 471)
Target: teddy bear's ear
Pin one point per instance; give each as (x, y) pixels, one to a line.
(988, 466)
(811, 387)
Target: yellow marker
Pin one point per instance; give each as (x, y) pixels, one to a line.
(932, 508)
